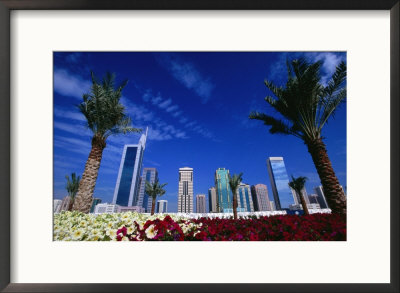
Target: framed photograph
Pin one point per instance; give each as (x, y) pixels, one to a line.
(263, 135)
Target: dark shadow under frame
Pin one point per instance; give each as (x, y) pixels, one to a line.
(7, 5)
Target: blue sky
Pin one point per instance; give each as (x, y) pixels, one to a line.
(196, 105)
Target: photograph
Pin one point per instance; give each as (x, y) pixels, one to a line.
(199, 146)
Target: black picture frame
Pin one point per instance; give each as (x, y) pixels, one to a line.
(6, 6)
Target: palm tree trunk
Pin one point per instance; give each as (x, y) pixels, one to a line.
(84, 197)
(153, 206)
(333, 192)
(234, 205)
(303, 204)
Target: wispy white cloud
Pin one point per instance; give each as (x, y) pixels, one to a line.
(172, 108)
(187, 74)
(73, 115)
(72, 128)
(165, 104)
(70, 85)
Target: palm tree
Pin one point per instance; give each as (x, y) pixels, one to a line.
(305, 106)
(153, 190)
(234, 182)
(72, 187)
(105, 116)
(298, 184)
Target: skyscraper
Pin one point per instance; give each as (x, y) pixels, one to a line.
(259, 193)
(245, 202)
(162, 206)
(280, 183)
(150, 175)
(185, 190)
(321, 197)
(126, 191)
(57, 205)
(224, 195)
(212, 200)
(95, 202)
(201, 203)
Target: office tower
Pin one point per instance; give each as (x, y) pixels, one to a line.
(185, 190)
(273, 207)
(161, 206)
(259, 193)
(57, 205)
(201, 203)
(144, 201)
(283, 196)
(127, 188)
(313, 198)
(65, 204)
(212, 200)
(224, 195)
(95, 202)
(245, 202)
(321, 197)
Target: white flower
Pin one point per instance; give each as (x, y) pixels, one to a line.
(77, 234)
(151, 232)
(130, 230)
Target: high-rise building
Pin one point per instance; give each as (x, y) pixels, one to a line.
(95, 202)
(212, 200)
(162, 206)
(224, 195)
(57, 205)
(126, 191)
(201, 203)
(245, 202)
(65, 204)
(283, 196)
(321, 197)
(259, 193)
(313, 198)
(144, 201)
(272, 204)
(297, 200)
(185, 190)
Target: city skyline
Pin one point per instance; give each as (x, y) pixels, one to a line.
(192, 103)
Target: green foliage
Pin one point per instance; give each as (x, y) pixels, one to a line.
(298, 184)
(155, 189)
(103, 110)
(234, 182)
(72, 185)
(304, 103)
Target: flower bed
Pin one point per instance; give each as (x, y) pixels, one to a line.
(73, 226)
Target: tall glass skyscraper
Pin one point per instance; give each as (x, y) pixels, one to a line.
(150, 175)
(185, 190)
(127, 188)
(245, 202)
(261, 201)
(212, 200)
(280, 183)
(224, 194)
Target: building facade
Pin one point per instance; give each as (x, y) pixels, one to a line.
(185, 190)
(244, 199)
(95, 202)
(212, 200)
(57, 205)
(126, 191)
(281, 191)
(144, 201)
(106, 208)
(224, 194)
(259, 193)
(321, 197)
(201, 203)
(162, 206)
